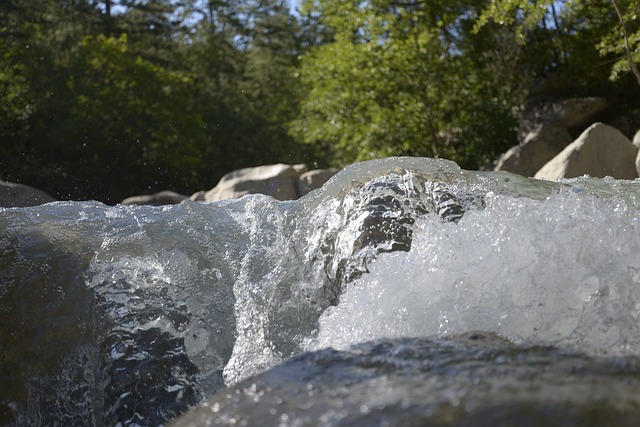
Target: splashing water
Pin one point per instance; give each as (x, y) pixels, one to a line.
(132, 314)
(561, 271)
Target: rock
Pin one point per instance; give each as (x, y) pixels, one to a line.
(157, 199)
(198, 196)
(473, 380)
(636, 143)
(544, 131)
(574, 114)
(578, 112)
(536, 150)
(278, 181)
(14, 195)
(314, 179)
(636, 140)
(600, 151)
(379, 217)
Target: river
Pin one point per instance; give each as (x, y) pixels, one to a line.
(441, 296)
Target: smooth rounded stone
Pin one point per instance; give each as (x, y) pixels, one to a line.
(19, 195)
(539, 146)
(278, 181)
(600, 151)
(545, 130)
(475, 379)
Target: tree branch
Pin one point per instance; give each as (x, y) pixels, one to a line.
(627, 47)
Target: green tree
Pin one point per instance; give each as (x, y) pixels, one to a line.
(405, 78)
(134, 119)
(612, 26)
(32, 41)
(104, 99)
(268, 84)
(91, 117)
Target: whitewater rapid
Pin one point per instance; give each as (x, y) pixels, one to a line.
(132, 314)
(563, 271)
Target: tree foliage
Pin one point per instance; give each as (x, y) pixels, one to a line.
(447, 78)
(104, 99)
(108, 98)
(612, 25)
(408, 78)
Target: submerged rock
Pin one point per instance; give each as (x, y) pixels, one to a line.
(378, 217)
(348, 231)
(474, 379)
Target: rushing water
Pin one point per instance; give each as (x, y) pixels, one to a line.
(131, 315)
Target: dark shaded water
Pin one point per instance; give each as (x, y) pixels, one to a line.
(131, 315)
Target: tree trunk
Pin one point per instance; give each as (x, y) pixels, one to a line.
(627, 47)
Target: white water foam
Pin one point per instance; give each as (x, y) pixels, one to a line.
(565, 270)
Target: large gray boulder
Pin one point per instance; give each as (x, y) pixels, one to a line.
(472, 380)
(14, 195)
(157, 199)
(538, 147)
(544, 131)
(600, 151)
(279, 181)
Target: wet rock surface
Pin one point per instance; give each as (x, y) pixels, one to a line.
(475, 379)
(378, 217)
